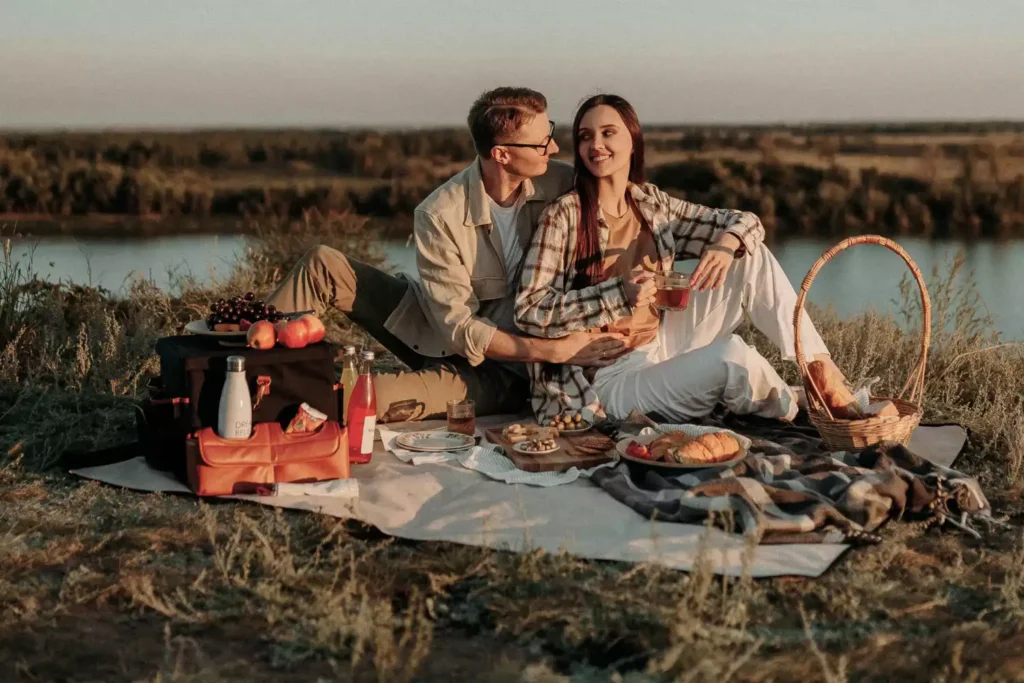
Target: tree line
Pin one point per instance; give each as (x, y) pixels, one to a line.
(379, 173)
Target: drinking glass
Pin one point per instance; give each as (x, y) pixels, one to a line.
(462, 416)
(673, 290)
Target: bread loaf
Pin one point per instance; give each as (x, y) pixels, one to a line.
(833, 390)
(882, 409)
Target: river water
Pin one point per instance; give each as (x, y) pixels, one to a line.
(859, 278)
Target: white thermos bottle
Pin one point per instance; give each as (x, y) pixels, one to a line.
(234, 419)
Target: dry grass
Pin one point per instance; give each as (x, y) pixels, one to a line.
(98, 583)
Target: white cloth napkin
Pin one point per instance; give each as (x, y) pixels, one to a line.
(487, 459)
(335, 488)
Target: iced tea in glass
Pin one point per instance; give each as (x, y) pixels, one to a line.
(673, 291)
(462, 416)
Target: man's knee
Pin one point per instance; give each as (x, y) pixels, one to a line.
(321, 255)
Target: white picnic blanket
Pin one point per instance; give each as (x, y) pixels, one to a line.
(487, 459)
(448, 502)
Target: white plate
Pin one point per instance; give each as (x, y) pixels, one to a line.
(521, 448)
(581, 430)
(199, 327)
(622, 444)
(434, 442)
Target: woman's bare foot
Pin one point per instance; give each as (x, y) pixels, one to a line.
(782, 406)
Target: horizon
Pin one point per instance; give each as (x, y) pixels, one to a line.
(349, 65)
(399, 127)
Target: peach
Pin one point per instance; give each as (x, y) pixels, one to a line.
(292, 333)
(261, 335)
(315, 326)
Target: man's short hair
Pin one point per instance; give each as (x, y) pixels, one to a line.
(499, 113)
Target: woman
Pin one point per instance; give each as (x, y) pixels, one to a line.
(591, 266)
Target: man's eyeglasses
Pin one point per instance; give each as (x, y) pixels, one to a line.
(542, 148)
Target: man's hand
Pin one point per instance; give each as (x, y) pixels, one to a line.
(590, 349)
(714, 264)
(640, 289)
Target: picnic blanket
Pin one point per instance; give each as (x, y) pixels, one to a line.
(800, 492)
(446, 502)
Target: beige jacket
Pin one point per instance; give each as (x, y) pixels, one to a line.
(462, 294)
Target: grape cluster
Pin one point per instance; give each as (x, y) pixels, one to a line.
(238, 308)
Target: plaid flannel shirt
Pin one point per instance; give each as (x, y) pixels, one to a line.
(547, 306)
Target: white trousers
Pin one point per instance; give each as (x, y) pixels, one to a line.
(697, 361)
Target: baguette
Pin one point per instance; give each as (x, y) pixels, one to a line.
(834, 392)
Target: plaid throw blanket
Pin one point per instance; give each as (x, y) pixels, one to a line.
(792, 490)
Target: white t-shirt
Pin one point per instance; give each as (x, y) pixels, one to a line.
(504, 221)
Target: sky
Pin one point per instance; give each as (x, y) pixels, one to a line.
(340, 63)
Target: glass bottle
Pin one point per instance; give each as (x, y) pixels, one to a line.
(362, 413)
(349, 376)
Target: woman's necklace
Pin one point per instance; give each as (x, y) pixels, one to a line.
(609, 213)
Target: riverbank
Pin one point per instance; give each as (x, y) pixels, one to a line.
(192, 586)
(858, 280)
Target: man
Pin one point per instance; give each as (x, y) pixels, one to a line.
(454, 326)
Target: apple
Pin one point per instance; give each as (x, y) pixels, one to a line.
(244, 325)
(292, 333)
(261, 335)
(316, 328)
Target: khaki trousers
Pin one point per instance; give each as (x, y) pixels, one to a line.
(325, 277)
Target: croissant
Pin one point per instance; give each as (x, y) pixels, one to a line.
(695, 451)
(724, 445)
(713, 447)
(663, 446)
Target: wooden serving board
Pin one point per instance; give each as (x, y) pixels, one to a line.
(573, 452)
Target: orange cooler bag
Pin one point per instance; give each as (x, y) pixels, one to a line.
(218, 467)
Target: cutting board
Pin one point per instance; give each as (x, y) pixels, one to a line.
(570, 454)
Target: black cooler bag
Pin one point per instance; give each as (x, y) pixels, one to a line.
(186, 396)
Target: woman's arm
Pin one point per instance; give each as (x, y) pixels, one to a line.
(545, 305)
(696, 227)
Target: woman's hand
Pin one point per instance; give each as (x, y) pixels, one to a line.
(714, 264)
(640, 289)
(590, 349)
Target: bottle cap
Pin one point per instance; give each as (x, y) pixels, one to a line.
(348, 350)
(368, 355)
(236, 363)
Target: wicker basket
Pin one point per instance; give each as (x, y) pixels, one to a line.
(855, 434)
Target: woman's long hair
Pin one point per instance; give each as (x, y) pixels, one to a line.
(588, 247)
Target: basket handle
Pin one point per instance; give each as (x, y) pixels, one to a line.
(915, 383)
